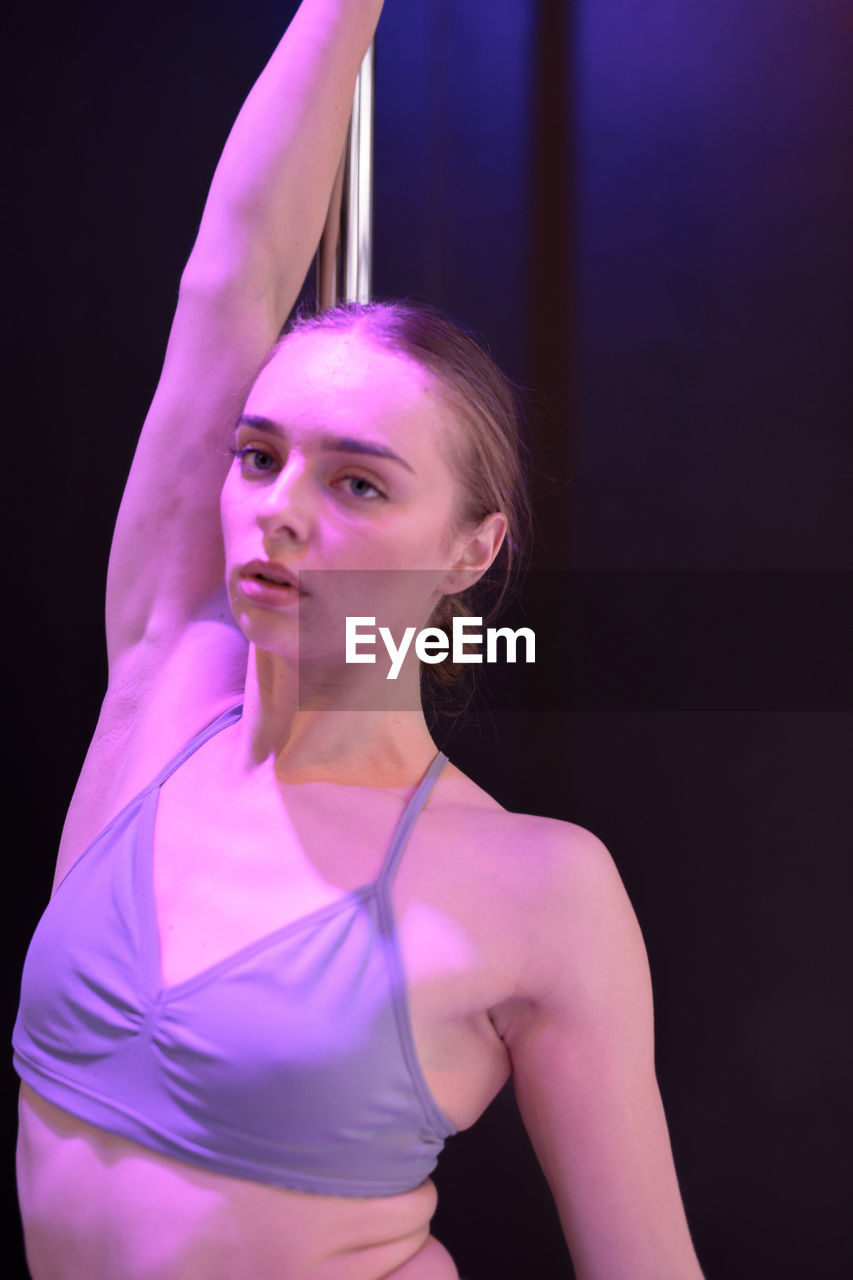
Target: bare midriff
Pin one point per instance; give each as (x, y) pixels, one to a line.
(96, 1206)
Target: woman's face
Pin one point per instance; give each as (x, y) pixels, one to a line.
(342, 469)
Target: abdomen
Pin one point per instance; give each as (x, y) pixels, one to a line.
(96, 1206)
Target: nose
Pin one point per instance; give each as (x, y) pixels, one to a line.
(285, 511)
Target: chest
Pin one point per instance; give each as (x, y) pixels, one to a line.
(233, 869)
(229, 868)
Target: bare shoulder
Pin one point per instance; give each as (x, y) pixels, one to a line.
(550, 887)
(547, 853)
(585, 945)
(574, 1012)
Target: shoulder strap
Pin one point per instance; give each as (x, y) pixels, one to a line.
(221, 722)
(408, 818)
(209, 731)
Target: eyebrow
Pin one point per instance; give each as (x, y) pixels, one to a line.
(330, 444)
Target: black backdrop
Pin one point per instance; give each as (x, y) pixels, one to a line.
(645, 208)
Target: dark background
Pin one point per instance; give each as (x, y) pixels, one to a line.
(645, 207)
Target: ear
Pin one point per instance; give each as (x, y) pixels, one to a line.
(473, 551)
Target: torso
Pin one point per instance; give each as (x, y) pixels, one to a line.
(98, 1205)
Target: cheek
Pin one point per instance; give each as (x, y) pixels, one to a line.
(445, 532)
(230, 509)
(415, 547)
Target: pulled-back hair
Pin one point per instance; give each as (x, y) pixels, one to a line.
(489, 453)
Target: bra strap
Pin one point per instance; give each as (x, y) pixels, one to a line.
(221, 722)
(407, 820)
(209, 731)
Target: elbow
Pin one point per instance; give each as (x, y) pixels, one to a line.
(229, 265)
(240, 258)
(224, 281)
(211, 277)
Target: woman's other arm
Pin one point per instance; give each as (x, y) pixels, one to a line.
(260, 227)
(580, 1037)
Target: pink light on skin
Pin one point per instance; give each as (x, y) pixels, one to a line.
(343, 464)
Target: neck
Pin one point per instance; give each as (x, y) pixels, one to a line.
(315, 726)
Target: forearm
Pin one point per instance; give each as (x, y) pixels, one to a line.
(260, 227)
(270, 192)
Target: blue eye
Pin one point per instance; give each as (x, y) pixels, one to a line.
(254, 460)
(361, 488)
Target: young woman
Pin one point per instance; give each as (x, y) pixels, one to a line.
(291, 947)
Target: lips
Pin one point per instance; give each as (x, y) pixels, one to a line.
(272, 574)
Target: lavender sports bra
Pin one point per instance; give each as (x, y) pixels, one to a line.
(290, 1062)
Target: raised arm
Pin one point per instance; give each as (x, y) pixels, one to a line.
(261, 225)
(581, 1042)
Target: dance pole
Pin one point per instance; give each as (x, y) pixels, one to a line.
(344, 271)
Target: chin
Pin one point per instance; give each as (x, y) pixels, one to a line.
(269, 632)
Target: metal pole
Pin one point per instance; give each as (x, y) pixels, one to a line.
(345, 254)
